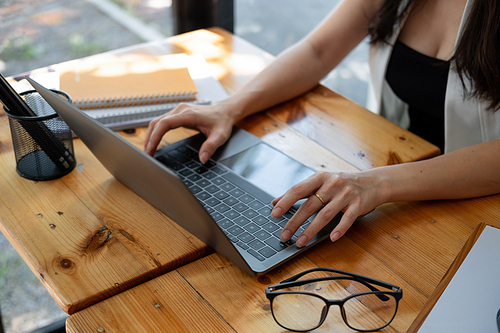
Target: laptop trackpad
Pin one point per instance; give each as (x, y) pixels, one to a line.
(267, 168)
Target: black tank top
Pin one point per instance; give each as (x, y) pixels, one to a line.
(420, 81)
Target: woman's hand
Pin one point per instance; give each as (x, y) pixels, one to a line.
(212, 120)
(329, 193)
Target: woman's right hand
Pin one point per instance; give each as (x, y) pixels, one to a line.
(214, 121)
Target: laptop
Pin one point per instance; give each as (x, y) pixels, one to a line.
(225, 203)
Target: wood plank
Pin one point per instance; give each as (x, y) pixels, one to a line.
(165, 304)
(356, 135)
(65, 244)
(419, 239)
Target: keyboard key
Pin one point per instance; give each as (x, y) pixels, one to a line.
(246, 237)
(232, 238)
(232, 214)
(262, 235)
(209, 164)
(256, 204)
(210, 175)
(222, 208)
(212, 202)
(201, 170)
(188, 182)
(218, 181)
(194, 177)
(256, 244)
(176, 166)
(221, 195)
(243, 245)
(267, 252)
(266, 211)
(185, 172)
(217, 216)
(235, 230)
(225, 223)
(292, 240)
(211, 189)
(241, 221)
(260, 220)
(218, 170)
(193, 165)
(240, 207)
(230, 201)
(227, 187)
(203, 183)
(246, 198)
(251, 227)
(210, 210)
(195, 189)
(250, 213)
(276, 244)
(236, 192)
(269, 227)
(202, 195)
(257, 255)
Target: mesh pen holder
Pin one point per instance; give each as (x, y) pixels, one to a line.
(43, 144)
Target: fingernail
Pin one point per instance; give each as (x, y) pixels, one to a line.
(286, 235)
(204, 157)
(335, 236)
(276, 212)
(147, 149)
(301, 241)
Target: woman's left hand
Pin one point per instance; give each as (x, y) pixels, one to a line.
(328, 194)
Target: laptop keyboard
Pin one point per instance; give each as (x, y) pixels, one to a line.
(244, 218)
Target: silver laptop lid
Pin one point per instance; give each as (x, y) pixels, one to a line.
(159, 186)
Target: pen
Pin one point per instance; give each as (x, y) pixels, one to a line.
(39, 132)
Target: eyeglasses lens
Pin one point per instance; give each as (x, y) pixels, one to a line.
(305, 312)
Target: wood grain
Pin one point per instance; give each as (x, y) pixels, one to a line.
(166, 304)
(426, 309)
(87, 237)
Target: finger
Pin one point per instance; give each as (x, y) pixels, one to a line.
(295, 193)
(307, 209)
(325, 216)
(276, 200)
(162, 126)
(151, 125)
(213, 141)
(345, 223)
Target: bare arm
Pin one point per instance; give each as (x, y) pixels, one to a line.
(465, 173)
(294, 72)
(300, 68)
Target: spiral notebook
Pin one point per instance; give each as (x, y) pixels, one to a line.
(138, 80)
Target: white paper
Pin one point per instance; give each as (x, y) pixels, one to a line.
(471, 300)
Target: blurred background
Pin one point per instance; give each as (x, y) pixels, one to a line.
(39, 33)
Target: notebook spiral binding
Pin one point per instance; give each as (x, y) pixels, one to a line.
(135, 101)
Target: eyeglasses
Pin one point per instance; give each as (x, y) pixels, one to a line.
(303, 305)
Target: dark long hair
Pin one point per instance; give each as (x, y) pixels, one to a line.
(477, 56)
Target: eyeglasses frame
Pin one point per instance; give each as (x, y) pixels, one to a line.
(396, 292)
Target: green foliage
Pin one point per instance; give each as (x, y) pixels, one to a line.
(79, 47)
(21, 48)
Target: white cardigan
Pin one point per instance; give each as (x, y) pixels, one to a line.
(467, 121)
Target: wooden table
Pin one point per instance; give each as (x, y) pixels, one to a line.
(87, 237)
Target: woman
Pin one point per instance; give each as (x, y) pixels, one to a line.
(450, 92)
